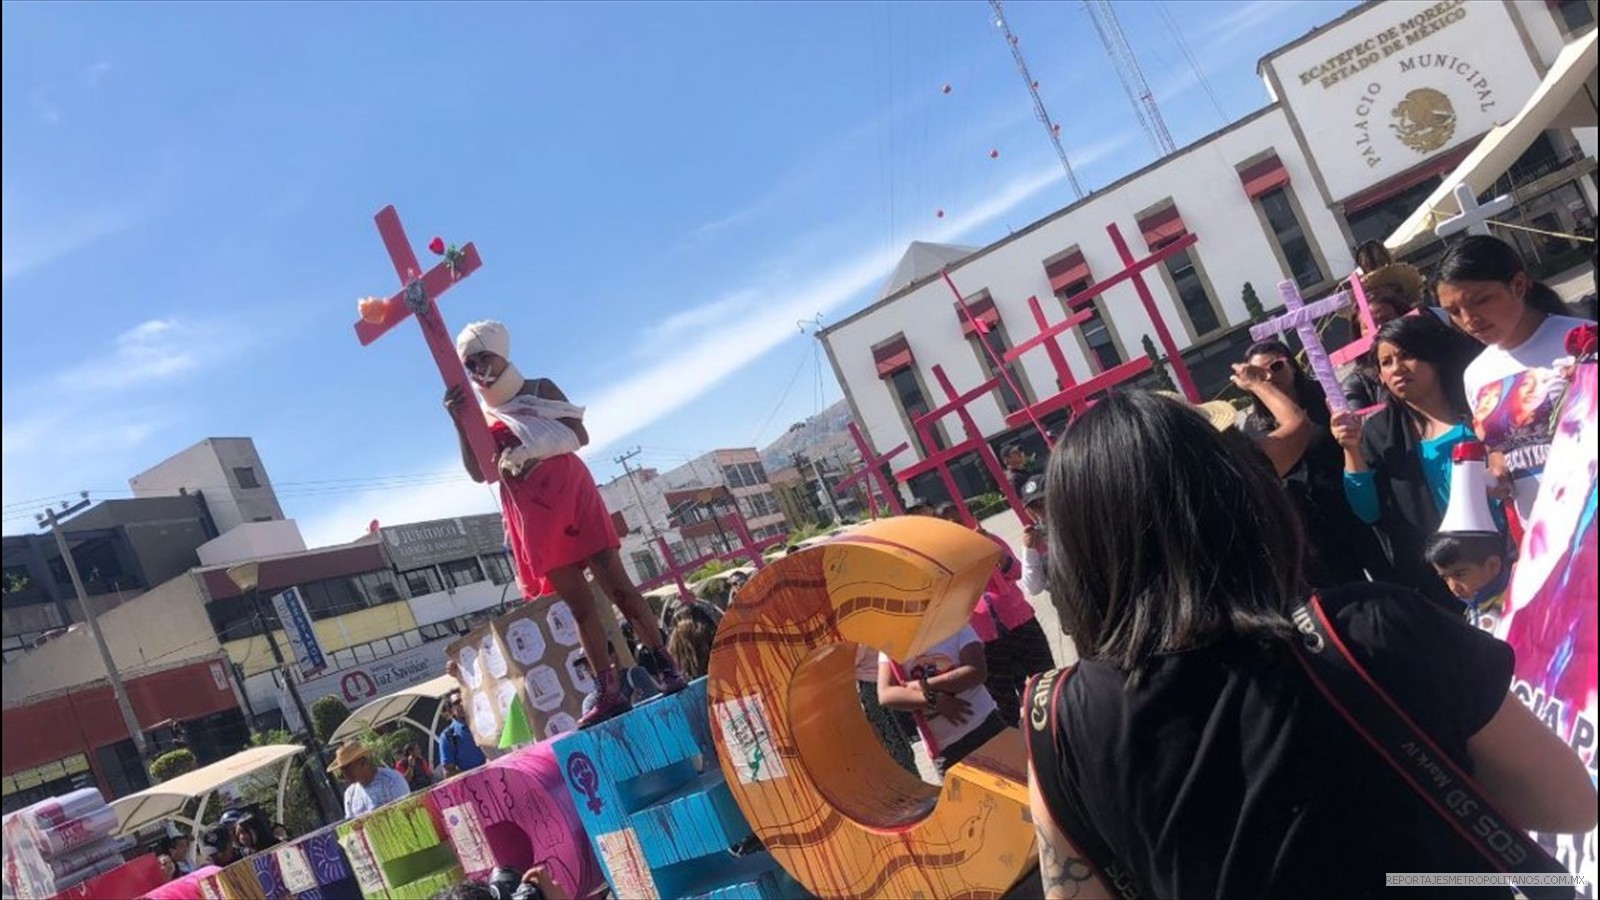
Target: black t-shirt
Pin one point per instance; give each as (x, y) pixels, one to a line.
(1225, 774)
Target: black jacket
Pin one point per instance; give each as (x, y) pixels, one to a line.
(1407, 514)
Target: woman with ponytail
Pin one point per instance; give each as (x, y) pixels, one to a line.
(1512, 385)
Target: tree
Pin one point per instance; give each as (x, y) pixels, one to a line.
(327, 714)
(1252, 303)
(299, 810)
(1158, 368)
(173, 763)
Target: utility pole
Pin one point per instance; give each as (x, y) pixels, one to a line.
(52, 518)
(637, 494)
(247, 577)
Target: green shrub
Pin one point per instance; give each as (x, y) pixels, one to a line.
(327, 714)
(171, 764)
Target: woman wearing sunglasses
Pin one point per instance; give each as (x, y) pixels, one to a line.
(1340, 548)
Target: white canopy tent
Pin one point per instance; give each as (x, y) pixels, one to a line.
(169, 799)
(398, 707)
(1565, 99)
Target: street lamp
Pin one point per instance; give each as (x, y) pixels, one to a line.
(247, 578)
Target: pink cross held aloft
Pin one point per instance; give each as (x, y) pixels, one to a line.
(872, 471)
(1369, 331)
(1302, 318)
(416, 297)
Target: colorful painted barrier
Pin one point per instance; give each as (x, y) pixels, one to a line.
(661, 818)
(399, 852)
(185, 888)
(801, 760)
(516, 812)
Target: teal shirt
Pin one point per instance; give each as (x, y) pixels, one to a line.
(1361, 488)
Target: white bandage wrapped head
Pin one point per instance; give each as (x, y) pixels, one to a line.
(534, 420)
(487, 336)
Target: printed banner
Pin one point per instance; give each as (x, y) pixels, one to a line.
(296, 623)
(1550, 617)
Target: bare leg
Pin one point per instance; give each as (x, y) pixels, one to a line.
(613, 578)
(574, 588)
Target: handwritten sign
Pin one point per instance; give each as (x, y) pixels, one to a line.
(466, 835)
(749, 739)
(630, 876)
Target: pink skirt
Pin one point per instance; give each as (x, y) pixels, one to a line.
(555, 517)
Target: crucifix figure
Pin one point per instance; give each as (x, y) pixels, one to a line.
(1473, 219)
(417, 297)
(1302, 317)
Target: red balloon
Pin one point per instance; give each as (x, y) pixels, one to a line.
(437, 246)
(947, 89)
(939, 214)
(994, 154)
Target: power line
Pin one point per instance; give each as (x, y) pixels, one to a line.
(1194, 64)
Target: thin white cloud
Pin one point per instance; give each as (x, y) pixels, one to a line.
(714, 354)
(153, 350)
(95, 74)
(1240, 22)
(25, 246)
(348, 520)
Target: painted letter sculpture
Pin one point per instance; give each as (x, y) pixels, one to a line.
(797, 752)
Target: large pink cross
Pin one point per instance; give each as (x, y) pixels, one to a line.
(872, 470)
(1302, 317)
(1133, 270)
(416, 297)
(975, 443)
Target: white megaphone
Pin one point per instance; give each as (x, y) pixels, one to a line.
(1469, 492)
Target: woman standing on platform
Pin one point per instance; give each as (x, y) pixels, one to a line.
(556, 522)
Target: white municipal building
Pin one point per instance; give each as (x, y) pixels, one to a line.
(1367, 116)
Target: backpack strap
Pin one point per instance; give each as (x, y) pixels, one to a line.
(1042, 694)
(1448, 790)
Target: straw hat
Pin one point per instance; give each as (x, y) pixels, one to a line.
(349, 752)
(1219, 413)
(1404, 276)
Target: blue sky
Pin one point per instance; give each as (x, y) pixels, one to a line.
(659, 193)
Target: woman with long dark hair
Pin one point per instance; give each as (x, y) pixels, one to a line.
(1340, 548)
(1188, 746)
(1397, 463)
(1512, 386)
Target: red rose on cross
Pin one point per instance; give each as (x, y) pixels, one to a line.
(1583, 341)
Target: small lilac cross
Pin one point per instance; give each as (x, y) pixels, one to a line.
(1302, 317)
(1473, 219)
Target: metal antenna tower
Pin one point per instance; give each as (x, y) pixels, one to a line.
(1039, 112)
(1115, 41)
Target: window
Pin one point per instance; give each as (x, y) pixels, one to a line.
(498, 565)
(245, 477)
(462, 572)
(1102, 346)
(744, 474)
(997, 344)
(333, 597)
(1192, 293)
(233, 618)
(379, 587)
(422, 581)
(908, 393)
(644, 563)
(1291, 237)
(1574, 14)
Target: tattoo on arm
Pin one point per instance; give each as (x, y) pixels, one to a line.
(1063, 876)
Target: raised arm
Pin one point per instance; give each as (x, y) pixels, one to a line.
(1286, 443)
(458, 404)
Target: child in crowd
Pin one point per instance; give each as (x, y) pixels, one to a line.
(946, 684)
(1473, 565)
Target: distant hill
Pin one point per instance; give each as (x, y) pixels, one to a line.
(821, 435)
